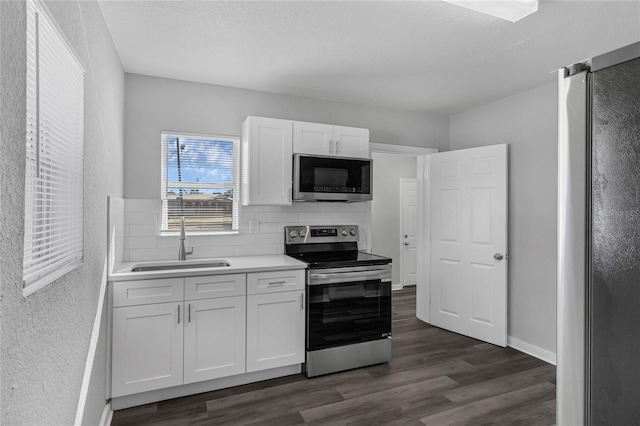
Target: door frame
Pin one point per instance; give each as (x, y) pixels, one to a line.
(423, 170)
(401, 239)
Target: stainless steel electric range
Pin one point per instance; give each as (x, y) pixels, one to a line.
(348, 298)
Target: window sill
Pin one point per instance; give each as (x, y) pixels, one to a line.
(50, 278)
(197, 233)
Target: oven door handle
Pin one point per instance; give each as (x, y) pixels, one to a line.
(345, 277)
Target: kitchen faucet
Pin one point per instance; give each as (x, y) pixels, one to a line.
(182, 253)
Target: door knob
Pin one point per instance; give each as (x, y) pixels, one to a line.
(498, 256)
(406, 244)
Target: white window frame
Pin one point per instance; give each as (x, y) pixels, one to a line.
(234, 186)
(53, 228)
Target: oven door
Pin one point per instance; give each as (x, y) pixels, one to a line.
(347, 306)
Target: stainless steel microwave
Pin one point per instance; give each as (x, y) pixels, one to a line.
(327, 178)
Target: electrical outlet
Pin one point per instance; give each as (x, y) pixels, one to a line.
(254, 226)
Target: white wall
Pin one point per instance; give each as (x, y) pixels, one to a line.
(157, 104)
(45, 337)
(388, 169)
(527, 122)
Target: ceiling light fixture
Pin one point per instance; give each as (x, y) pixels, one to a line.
(511, 10)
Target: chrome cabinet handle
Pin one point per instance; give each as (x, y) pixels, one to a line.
(178, 314)
(498, 256)
(337, 147)
(189, 312)
(330, 146)
(302, 301)
(277, 283)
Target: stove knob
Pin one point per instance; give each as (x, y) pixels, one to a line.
(302, 233)
(344, 232)
(293, 234)
(353, 232)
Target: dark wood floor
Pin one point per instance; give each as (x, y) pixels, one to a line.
(435, 378)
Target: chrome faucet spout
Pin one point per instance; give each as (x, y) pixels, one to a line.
(182, 252)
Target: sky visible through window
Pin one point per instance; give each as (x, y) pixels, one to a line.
(201, 161)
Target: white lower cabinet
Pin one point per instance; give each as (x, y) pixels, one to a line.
(207, 328)
(275, 330)
(147, 348)
(214, 338)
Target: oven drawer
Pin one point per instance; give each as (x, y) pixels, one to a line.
(274, 282)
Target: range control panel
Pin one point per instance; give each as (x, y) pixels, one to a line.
(320, 234)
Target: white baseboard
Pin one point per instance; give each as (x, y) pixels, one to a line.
(127, 401)
(107, 415)
(532, 350)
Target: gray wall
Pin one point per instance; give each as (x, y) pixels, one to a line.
(385, 206)
(156, 104)
(45, 337)
(527, 122)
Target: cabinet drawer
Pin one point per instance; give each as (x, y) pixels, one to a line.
(211, 286)
(272, 282)
(144, 292)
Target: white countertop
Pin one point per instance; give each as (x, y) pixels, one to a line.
(238, 264)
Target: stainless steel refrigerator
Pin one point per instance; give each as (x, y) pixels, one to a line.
(598, 348)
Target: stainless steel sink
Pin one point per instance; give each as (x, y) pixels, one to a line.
(180, 265)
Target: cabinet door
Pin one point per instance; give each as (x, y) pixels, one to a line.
(351, 142)
(275, 330)
(267, 145)
(313, 138)
(214, 338)
(147, 348)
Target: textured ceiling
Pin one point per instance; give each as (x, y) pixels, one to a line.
(428, 56)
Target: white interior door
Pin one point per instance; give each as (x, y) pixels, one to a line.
(469, 242)
(408, 231)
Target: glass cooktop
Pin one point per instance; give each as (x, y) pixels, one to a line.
(336, 259)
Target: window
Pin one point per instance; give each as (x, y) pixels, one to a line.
(200, 182)
(54, 155)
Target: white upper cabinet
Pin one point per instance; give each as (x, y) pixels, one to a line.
(325, 139)
(351, 141)
(267, 167)
(312, 138)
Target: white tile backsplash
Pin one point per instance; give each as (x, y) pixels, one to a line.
(143, 229)
(117, 231)
(142, 240)
(256, 249)
(140, 243)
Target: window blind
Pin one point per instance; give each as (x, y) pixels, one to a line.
(54, 153)
(200, 182)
